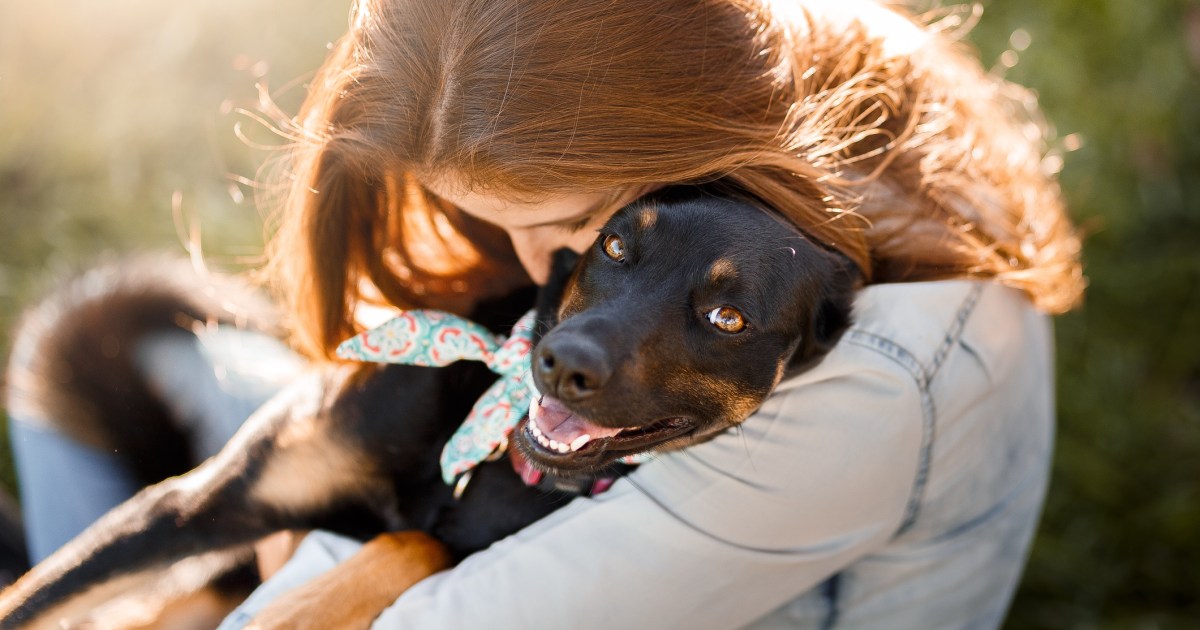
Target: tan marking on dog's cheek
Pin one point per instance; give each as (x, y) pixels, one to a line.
(570, 303)
(734, 404)
(306, 473)
(740, 406)
(722, 269)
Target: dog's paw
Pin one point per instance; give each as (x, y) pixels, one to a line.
(354, 593)
(310, 607)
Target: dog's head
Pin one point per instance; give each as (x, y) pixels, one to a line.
(676, 325)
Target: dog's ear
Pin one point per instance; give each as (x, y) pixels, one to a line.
(562, 265)
(828, 318)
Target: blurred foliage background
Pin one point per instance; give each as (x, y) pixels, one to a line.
(117, 134)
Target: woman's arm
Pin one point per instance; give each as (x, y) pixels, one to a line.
(716, 536)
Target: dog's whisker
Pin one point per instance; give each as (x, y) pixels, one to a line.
(741, 432)
(637, 486)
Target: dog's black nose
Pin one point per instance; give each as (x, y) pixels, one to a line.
(571, 368)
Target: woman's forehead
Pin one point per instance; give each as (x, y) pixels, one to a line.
(516, 213)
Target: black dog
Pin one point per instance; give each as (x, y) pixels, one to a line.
(674, 327)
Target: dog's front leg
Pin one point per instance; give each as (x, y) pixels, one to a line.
(352, 594)
(288, 465)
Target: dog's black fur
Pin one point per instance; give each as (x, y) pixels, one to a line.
(357, 450)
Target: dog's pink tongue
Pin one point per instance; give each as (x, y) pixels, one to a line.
(558, 423)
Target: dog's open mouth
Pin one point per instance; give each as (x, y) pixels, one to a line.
(559, 437)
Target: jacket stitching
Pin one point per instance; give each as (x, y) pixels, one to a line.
(923, 376)
(954, 333)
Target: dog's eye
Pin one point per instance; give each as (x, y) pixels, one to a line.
(614, 247)
(727, 318)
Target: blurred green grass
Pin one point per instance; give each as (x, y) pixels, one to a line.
(110, 110)
(116, 131)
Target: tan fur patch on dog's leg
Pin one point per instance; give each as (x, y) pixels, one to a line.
(308, 470)
(354, 593)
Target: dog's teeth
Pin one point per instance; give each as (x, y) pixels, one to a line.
(533, 427)
(580, 441)
(544, 441)
(562, 448)
(554, 444)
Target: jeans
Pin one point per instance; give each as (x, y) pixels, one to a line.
(212, 382)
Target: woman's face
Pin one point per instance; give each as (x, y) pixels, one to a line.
(540, 228)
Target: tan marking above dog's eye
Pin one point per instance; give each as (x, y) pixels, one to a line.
(647, 219)
(614, 247)
(722, 269)
(727, 318)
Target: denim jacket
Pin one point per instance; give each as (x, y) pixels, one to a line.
(895, 485)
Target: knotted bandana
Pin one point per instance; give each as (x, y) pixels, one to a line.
(434, 339)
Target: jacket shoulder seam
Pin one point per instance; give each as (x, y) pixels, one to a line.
(922, 375)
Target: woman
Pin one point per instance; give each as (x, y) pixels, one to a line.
(898, 483)
(447, 146)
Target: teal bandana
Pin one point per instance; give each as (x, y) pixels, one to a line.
(433, 339)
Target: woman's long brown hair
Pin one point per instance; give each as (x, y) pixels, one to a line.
(876, 136)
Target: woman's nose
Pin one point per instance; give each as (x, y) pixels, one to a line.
(536, 246)
(532, 253)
